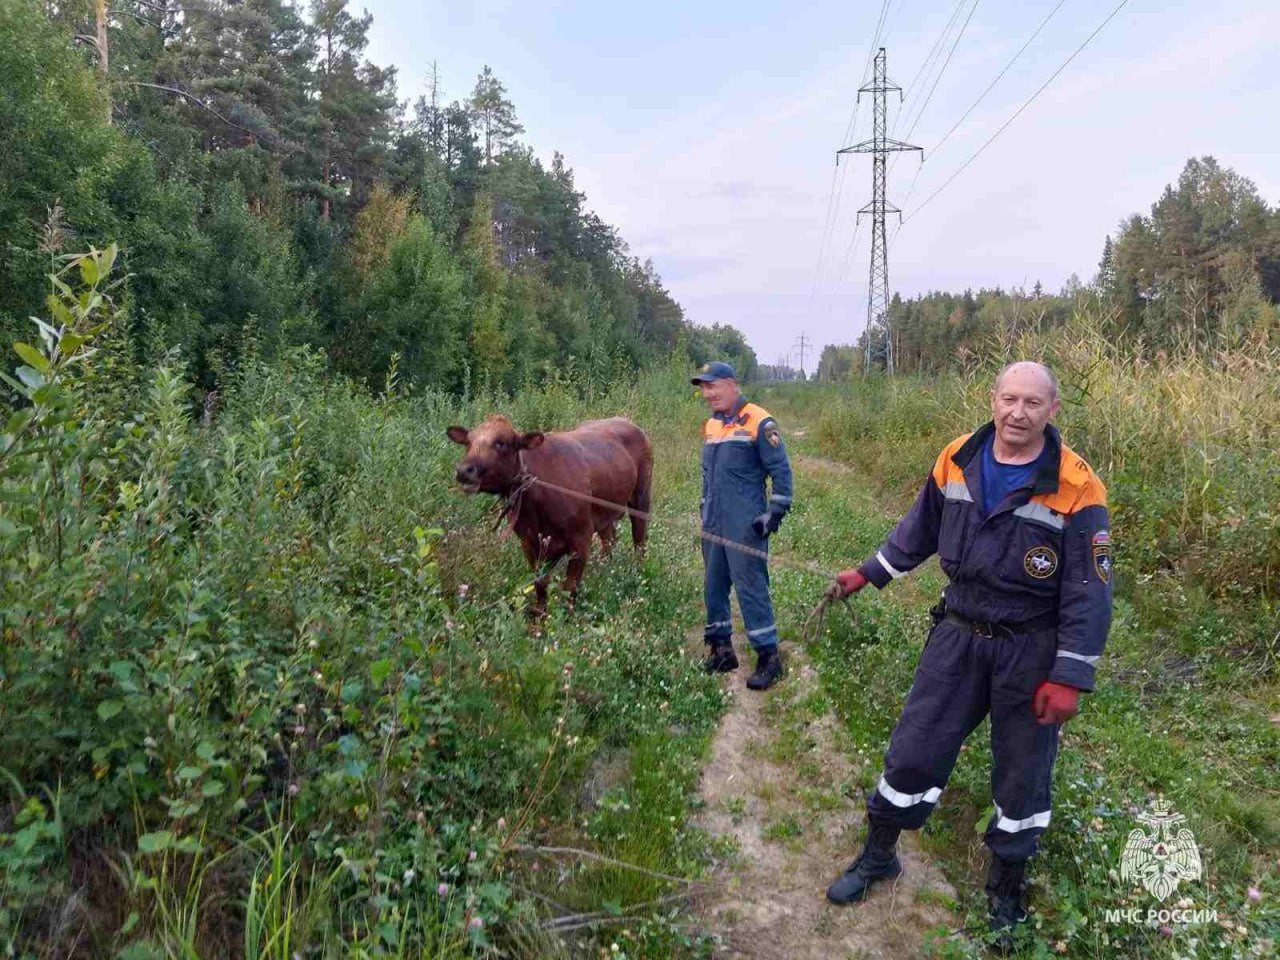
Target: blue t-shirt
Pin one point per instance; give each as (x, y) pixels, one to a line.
(1001, 479)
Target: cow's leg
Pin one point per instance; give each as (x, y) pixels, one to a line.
(537, 553)
(641, 500)
(608, 537)
(579, 551)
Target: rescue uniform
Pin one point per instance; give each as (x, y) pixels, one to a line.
(1029, 600)
(739, 450)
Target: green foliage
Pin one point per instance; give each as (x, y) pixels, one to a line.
(56, 151)
(259, 180)
(271, 701)
(1192, 273)
(415, 306)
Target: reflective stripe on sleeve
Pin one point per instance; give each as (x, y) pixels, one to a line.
(1079, 656)
(889, 568)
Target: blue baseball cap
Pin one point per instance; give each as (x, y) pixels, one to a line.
(714, 371)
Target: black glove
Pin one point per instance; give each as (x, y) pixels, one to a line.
(766, 524)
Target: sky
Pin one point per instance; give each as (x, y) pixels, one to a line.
(706, 131)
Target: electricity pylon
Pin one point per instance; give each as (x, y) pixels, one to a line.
(879, 146)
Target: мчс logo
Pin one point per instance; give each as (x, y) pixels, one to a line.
(1040, 562)
(1163, 858)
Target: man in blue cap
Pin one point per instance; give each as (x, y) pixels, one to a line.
(741, 446)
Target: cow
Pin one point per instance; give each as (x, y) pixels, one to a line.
(607, 460)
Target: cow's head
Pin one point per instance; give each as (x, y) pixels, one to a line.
(492, 461)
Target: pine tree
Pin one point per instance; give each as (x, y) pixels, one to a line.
(356, 104)
(495, 115)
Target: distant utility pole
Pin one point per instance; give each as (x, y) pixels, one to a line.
(802, 344)
(879, 146)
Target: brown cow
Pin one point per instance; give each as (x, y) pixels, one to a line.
(607, 459)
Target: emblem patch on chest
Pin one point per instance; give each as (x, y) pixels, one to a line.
(1040, 562)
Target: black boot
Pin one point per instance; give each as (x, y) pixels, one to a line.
(1006, 893)
(722, 659)
(768, 669)
(877, 861)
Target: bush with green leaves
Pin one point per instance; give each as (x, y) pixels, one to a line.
(261, 682)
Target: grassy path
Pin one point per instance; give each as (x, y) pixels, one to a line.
(784, 789)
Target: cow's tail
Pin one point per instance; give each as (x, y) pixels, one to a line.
(642, 500)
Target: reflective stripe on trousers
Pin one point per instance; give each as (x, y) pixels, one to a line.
(749, 577)
(960, 679)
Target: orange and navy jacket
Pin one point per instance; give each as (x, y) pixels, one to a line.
(739, 450)
(1042, 556)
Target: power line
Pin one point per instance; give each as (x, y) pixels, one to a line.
(924, 105)
(826, 233)
(991, 85)
(973, 106)
(866, 66)
(946, 63)
(905, 200)
(844, 267)
(937, 46)
(892, 23)
(1111, 16)
(802, 344)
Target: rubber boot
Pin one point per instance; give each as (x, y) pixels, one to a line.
(877, 861)
(768, 669)
(1006, 894)
(721, 659)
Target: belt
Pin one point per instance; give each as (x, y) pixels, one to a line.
(986, 628)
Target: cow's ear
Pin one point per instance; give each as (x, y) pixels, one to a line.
(458, 435)
(531, 440)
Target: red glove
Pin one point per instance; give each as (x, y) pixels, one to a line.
(1055, 702)
(851, 581)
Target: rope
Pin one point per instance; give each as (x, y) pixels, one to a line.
(813, 623)
(817, 617)
(773, 558)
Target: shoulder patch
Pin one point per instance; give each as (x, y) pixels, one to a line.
(770, 430)
(1102, 555)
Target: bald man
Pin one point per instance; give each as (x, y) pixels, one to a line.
(1019, 522)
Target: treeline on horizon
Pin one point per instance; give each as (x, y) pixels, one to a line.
(1200, 274)
(268, 188)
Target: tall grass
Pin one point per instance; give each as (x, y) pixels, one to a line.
(1186, 446)
(278, 669)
